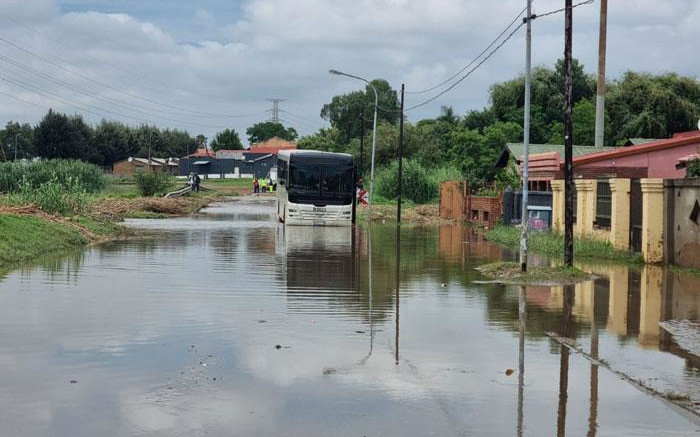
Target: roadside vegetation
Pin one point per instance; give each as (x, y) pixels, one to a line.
(552, 245)
(48, 206)
(510, 272)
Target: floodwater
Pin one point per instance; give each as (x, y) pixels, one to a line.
(227, 324)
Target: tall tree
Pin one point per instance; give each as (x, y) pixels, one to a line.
(268, 129)
(344, 110)
(112, 142)
(60, 136)
(227, 139)
(19, 137)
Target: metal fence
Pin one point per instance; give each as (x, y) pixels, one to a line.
(603, 207)
(513, 201)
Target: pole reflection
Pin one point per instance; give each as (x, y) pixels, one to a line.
(566, 333)
(398, 282)
(521, 359)
(593, 409)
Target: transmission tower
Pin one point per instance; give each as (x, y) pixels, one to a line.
(276, 109)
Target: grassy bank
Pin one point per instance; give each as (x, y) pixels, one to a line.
(549, 244)
(26, 237)
(510, 272)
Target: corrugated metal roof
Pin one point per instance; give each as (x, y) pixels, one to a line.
(517, 150)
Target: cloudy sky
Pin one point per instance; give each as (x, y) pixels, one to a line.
(205, 65)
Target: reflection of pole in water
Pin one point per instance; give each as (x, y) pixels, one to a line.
(398, 281)
(521, 358)
(369, 271)
(593, 411)
(564, 359)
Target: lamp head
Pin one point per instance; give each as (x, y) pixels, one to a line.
(336, 72)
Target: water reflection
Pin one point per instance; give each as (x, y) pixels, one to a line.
(176, 333)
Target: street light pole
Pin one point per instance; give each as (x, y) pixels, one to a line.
(16, 135)
(374, 133)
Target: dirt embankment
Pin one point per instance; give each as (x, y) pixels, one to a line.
(31, 210)
(423, 214)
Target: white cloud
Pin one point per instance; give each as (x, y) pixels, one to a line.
(282, 48)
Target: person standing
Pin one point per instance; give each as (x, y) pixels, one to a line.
(256, 186)
(196, 180)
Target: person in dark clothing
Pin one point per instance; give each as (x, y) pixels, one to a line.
(196, 179)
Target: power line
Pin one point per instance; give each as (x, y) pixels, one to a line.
(503, 32)
(111, 101)
(45, 59)
(498, 47)
(87, 55)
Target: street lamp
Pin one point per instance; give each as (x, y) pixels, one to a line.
(374, 132)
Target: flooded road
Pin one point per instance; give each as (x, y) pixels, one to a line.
(225, 323)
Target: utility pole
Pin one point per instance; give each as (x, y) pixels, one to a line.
(276, 109)
(398, 191)
(362, 141)
(600, 93)
(526, 140)
(568, 141)
(16, 146)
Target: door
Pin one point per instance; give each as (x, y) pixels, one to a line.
(635, 216)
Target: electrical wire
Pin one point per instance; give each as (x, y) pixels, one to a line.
(503, 32)
(45, 59)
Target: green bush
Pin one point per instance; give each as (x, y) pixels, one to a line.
(67, 173)
(151, 183)
(53, 197)
(693, 169)
(419, 184)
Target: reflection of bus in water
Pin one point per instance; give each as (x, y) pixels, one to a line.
(317, 258)
(315, 188)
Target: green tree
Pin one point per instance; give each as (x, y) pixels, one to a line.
(227, 139)
(201, 141)
(344, 110)
(326, 140)
(60, 136)
(19, 135)
(111, 143)
(260, 132)
(647, 106)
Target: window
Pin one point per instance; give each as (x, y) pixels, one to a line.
(603, 207)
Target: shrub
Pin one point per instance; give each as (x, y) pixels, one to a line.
(419, 184)
(67, 173)
(693, 168)
(151, 183)
(52, 196)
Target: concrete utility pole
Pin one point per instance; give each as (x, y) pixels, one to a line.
(600, 93)
(568, 141)
(276, 109)
(526, 139)
(362, 142)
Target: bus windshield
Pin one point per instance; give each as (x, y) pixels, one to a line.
(317, 183)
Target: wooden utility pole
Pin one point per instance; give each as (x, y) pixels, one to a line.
(398, 190)
(526, 141)
(568, 140)
(600, 92)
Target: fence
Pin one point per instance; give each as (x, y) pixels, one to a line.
(539, 207)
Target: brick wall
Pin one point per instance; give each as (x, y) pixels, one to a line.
(457, 204)
(484, 211)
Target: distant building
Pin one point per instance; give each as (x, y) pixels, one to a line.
(257, 161)
(127, 167)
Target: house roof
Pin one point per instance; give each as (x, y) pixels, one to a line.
(517, 150)
(637, 141)
(678, 140)
(155, 162)
(203, 153)
(273, 145)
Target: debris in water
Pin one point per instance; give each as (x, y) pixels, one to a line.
(73, 381)
(262, 321)
(509, 371)
(329, 371)
(360, 332)
(443, 285)
(278, 346)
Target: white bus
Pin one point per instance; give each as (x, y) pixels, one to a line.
(315, 188)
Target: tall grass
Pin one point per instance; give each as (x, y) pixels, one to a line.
(419, 184)
(67, 173)
(52, 196)
(550, 244)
